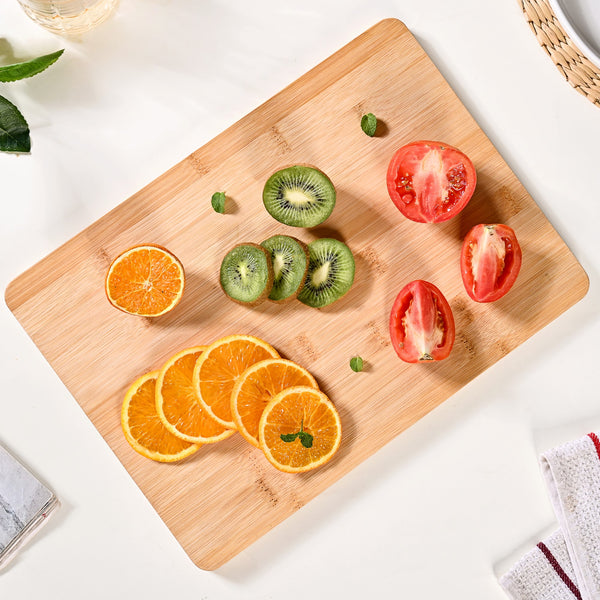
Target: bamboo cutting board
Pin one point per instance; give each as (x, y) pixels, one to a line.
(226, 496)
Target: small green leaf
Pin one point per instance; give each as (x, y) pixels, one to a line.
(306, 439)
(369, 124)
(356, 364)
(14, 131)
(28, 68)
(218, 202)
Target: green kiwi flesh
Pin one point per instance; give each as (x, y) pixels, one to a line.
(289, 258)
(246, 274)
(330, 272)
(300, 196)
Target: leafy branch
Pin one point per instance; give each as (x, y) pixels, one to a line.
(14, 131)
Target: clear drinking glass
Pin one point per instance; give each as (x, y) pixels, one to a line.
(69, 17)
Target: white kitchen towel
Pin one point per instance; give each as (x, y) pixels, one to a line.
(544, 573)
(572, 474)
(567, 564)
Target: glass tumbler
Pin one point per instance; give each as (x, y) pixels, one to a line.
(69, 17)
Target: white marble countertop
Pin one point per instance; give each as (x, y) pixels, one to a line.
(440, 510)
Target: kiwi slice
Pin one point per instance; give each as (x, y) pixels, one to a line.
(247, 274)
(289, 258)
(300, 196)
(330, 272)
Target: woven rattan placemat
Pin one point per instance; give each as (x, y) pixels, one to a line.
(582, 74)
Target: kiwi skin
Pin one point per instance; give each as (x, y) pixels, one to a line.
(295, 294)
(269, 285)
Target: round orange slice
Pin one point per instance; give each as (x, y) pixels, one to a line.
(145, 280)
(218, 368)
(299, 430)
(177, 404)
(257, 385)
(144, 430)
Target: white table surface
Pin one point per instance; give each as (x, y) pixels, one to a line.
(446, 506)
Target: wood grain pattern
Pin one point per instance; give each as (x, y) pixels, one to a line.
(226, 496)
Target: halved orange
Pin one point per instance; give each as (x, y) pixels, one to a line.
(177, 403)
(299, 430)
(144, 430)
(145, 280)
(257, 385)
(218, 368)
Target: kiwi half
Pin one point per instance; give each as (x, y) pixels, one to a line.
(289, 258)
(330, 272)
(247, 274)
(300, 196)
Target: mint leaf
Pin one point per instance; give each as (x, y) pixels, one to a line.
(14, 131)
(218, 202)
(28, 68)
(356, 364)
(306, 439)
(369, 124)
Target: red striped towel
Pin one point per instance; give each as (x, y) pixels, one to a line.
(565, 565)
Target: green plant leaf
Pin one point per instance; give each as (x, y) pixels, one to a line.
(28, 68)
(369, 124)
(306, 439)
(14, 131)
(356, 364)
(288, 437)
(218, 202)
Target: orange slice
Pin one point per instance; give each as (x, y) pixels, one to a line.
(299, 430)
(144, 430)
(177, 404)
(257, 385)
(145, 280)
(219, 367)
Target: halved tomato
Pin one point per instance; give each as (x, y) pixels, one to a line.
(490, 261)
(421, 323)
(430, 182)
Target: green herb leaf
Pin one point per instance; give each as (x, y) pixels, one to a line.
(28, 68)
(356, 364)
(218, 202)
(14, 131)
(306, 439)
(369, 124)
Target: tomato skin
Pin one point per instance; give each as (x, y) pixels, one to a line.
(490, 261)
(430, 182)
(421, 323)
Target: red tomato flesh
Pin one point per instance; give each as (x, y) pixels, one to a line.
(430, 182)
(421, 323)
(490, 261)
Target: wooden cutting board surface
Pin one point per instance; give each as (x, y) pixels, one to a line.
(226, 496)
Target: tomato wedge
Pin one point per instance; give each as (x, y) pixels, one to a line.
(421, 323)
(430, 182)
(490, 261)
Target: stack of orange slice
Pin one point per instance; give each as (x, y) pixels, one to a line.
(204, 394)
